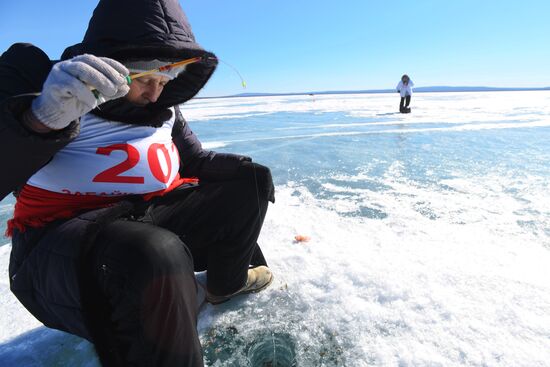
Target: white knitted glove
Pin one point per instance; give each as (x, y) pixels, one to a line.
(67, 93)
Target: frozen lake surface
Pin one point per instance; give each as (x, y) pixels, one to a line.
(430, 235)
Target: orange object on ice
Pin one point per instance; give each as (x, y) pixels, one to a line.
(302, 238)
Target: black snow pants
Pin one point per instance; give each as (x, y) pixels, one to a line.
(141, 292)
(405, 101)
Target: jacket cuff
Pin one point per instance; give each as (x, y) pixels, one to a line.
(14, 116)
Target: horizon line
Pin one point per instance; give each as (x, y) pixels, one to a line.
(428, 89)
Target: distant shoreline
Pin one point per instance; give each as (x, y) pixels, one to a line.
(434, 89)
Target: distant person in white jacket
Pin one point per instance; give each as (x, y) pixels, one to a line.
(404, 87)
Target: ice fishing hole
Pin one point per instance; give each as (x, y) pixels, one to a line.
(272, 350)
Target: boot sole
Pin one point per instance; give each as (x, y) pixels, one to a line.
(256, 290)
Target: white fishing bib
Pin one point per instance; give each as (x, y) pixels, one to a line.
(111, 158)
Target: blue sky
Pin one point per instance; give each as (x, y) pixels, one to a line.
(306, 45)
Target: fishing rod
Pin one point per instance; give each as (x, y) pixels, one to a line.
(168, 67)
(186, 62)
(192, 60)
(130, 78)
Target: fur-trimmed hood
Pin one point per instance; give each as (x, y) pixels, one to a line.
(129, 30)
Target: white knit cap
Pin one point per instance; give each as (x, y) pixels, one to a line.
(141, 66)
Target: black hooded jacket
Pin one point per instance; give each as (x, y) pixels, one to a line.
(123, 30)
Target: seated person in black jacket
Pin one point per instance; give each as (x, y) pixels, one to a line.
(117, 203)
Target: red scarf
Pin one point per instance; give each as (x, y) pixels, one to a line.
(37, 207)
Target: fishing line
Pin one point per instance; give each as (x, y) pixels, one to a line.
(243, 82)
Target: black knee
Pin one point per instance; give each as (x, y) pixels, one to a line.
(139, 254)
(245, 199)
(145, 275)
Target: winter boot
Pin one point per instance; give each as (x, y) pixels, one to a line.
(259, 278)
